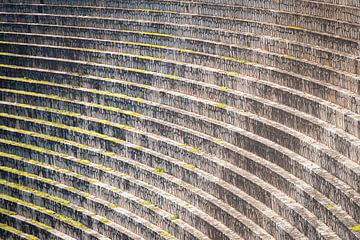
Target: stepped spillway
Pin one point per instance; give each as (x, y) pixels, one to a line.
(177, 119)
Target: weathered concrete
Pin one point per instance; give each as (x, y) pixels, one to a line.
(180, 119)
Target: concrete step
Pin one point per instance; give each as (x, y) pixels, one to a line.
(250, 180)
(40, 114)
(83, 207)
(194, 71)
(12, 233)
(228, 30)
(289, 49)
(202, 183)
(65, 163)
(312, 8)
(277, 65)
(229, 121)
(48, 217)
(342, 122)
(347, 181)
(151, 193)
(27, 228)
(171, 130)
(228, 14)
(60, 205)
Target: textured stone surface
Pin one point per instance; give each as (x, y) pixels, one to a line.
(180, 119)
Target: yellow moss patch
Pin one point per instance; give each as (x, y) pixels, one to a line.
(134, 69)
(131, 113)
(113, 206)
(173, 217)
(288, 56)
(10, 229)
(232, 73)
(167, 235)
(31, 237)
(85, 194)
(44, 210)
(170, 76)
(217, 140)
(296, 27)
(237, 59)
(104, 220)
(189, 166)
(81, 209)
(158, 170)
(40, 224)
(145, 202)
(138, 99)
(70, 188)
(329, 205)
(356, 227)
(137, 147)
(7, 212)
(194, 150)
(186, 50)
(220, 105)
(148, 33)
(222, 88)
(93, 180)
